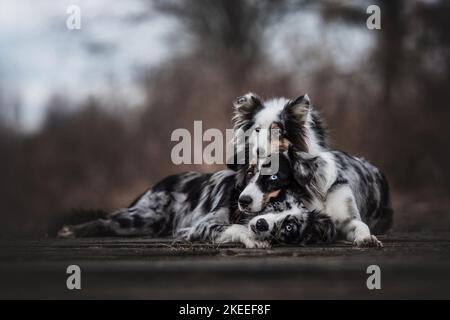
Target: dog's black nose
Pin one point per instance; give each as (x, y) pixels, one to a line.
(245, 201)
(262, 225)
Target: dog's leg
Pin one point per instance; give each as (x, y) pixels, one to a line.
(215, 227)
(240, 233)
(147, 217)
(357, 231)
(95, 228)
(341, 207)
(126, 222)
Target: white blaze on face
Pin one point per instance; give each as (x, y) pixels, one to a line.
(263, 122)
(253, 191)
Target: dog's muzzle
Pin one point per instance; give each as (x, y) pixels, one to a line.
(262, 225)
(245, 202)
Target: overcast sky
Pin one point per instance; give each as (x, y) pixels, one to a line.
(39, 56)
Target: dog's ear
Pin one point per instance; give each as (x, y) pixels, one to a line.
(244, 109)
(298, 107)
(247, 101)
(293, 117)
(319, 229)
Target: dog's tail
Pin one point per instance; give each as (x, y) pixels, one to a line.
(75, 217)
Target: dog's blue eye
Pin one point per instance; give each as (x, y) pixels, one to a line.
(273, 177)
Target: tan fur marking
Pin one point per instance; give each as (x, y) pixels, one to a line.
(281, 144)
(274, 126)
(268, 196)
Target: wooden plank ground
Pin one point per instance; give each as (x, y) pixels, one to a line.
(413, 265)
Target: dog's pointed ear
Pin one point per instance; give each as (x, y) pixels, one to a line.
(320, 228)
(298, 108)
(244, 108)
(303, 99)
(247, 101)
(294, 117)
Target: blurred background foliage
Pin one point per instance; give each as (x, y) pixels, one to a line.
(388, 104)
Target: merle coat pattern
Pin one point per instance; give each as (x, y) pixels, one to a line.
(191, 206)
(194, 207)
(354, 193)
(296, 226)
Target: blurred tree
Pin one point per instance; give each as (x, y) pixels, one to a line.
(390, 45)
(228, 33)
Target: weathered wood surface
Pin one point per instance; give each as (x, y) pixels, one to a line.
(415, 265)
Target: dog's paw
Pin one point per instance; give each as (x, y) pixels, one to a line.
(370, 241)
(66, 232)
(250, 243)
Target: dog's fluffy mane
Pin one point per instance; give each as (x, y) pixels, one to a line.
(298, 120)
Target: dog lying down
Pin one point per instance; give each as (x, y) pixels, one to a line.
(209, 207)
(271, 208)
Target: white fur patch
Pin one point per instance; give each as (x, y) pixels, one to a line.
(313, 145)
(240, 233)
(253, 191)
(337, 205)
(329, 170)
(263, 120)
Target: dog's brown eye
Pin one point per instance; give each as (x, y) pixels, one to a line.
(258, 129)
(288, 228)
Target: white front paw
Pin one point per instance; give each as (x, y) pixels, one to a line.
(250, 243)
(370, 241)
